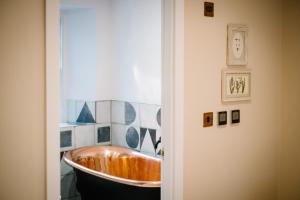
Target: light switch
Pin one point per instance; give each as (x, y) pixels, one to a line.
(208, 9)
(222, 118)
(235, 116)
(208, 119)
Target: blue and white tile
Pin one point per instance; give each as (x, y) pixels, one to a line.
(67, 138)
(84, 109)
(77, 109)
(103, 134)
(74, 109)
(158, 135)
(126, 136)
(92, 107)
(118, 134)
(133, 137)
(84, 135)
(148, 116)
(118, 112)
(79, 105)
(158, 117)
(147, 145)
(103, 112)
(132, 114)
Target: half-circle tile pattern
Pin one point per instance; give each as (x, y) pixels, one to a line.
(130, 113)
(158, 117)
(132, 137)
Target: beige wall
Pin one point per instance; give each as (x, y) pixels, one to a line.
(289, 185)
(22, 101)
(232, 162)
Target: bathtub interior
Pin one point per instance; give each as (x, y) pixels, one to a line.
(118, 162)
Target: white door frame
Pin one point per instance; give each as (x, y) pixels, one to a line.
(172, 99)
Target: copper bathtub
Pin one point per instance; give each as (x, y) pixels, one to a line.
(110, 172)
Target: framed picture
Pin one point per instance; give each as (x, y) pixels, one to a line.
(236, 85)
(237, 47)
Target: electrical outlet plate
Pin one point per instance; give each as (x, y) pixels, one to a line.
(208, 119)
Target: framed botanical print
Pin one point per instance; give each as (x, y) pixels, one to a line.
(237, 47)
(236, 85)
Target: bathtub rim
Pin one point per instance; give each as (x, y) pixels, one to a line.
(147, 184)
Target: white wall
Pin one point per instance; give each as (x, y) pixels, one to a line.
(87, 51)
(137, 50)
(235, 162)
(113, 50)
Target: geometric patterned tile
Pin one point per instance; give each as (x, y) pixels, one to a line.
(148, 116)
(147, 146)
(86, 115)
(132, 137)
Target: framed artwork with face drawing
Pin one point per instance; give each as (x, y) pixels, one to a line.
(237, 47)
(236, 85)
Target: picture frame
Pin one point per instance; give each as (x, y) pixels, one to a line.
(236, 85)
(237, 44)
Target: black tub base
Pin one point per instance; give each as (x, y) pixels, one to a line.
(95, 188)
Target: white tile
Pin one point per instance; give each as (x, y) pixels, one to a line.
(64, 125)
(147, 146)
(148, 114)
(103, 112)
(71, 111)
(118, 112)
(84, 135)
(118, 133)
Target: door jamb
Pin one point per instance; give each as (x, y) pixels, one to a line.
(52, 100)
(173, 99)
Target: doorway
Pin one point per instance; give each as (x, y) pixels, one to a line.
(172, 98)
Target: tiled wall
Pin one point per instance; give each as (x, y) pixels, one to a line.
(135, 125)
(129, 124)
